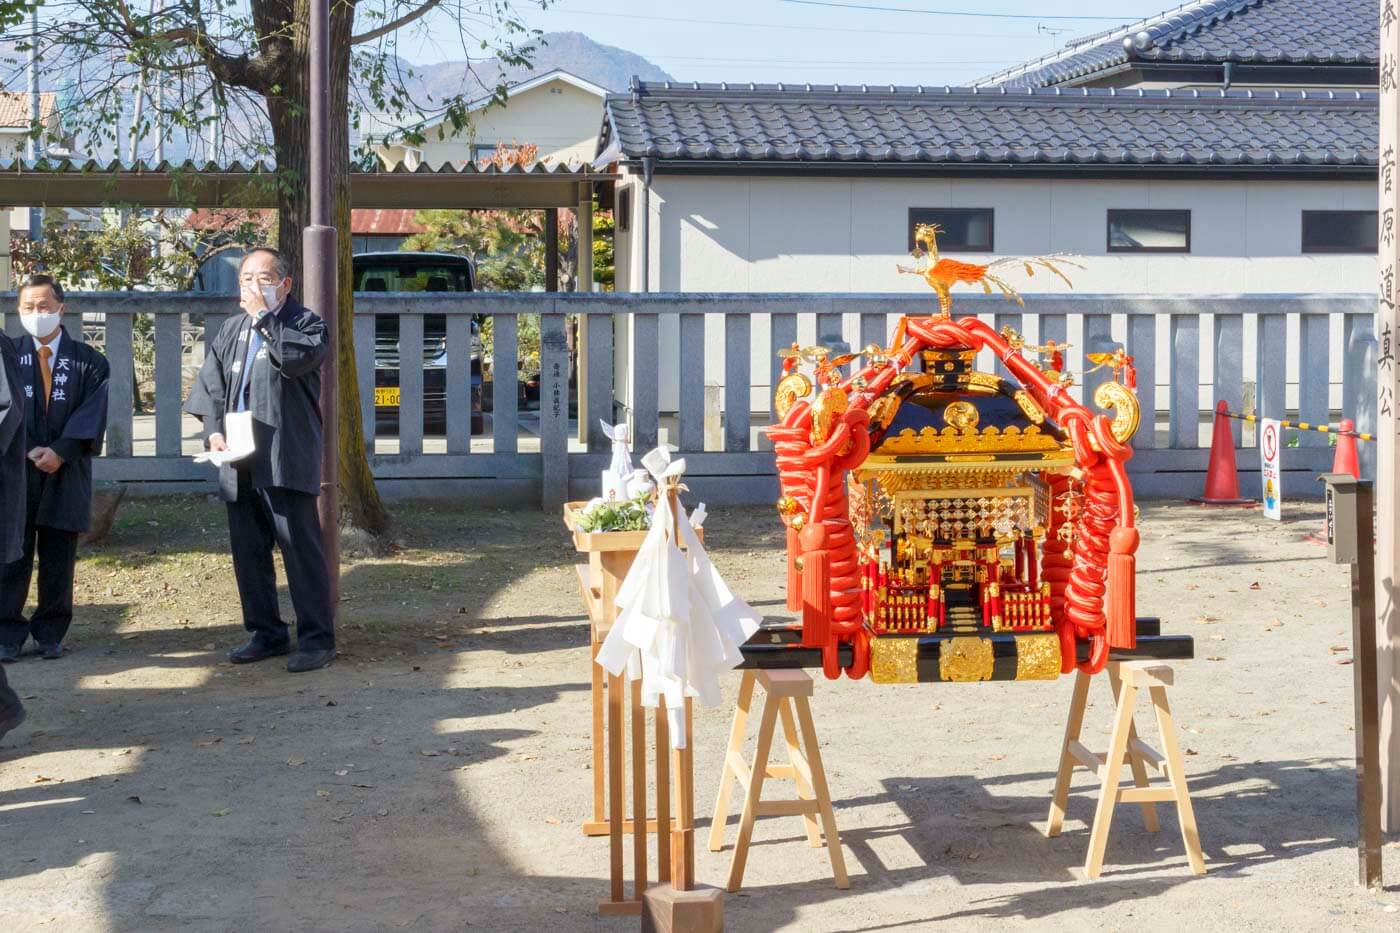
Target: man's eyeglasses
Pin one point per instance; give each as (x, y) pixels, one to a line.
(262, 279)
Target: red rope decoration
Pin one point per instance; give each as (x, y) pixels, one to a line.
(823, 566)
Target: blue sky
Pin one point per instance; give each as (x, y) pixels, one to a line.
(780, 40)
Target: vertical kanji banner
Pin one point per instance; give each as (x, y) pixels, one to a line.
(1387, 425)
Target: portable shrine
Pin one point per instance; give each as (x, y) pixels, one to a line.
(946, 523)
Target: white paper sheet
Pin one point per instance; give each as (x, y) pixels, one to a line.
(679, 626)
(238, 435)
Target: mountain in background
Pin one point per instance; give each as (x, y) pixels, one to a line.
(573, 52)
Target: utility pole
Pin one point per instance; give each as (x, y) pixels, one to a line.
(319, 272)
(31, 147)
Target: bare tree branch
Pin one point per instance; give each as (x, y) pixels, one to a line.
(395, 25)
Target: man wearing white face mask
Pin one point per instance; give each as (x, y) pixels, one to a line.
(267, 362)
(65, 415)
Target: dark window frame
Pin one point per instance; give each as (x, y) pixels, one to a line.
(966, 211)
(624, 210)
(1334, 250)
(1108, 230)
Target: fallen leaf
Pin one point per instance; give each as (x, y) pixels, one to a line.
(1346, 660)
(552, 820)
(247, 740)
(87, 812)
(209, 742)
(224, 812)
(296, 762)
(320, 792)
(382, 813)
(1215, 657)
(1255, 585)
(41, 779)
(429, 753)
(330, 703)
(1191, 751)
(341, 773)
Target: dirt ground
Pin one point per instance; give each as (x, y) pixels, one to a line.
(436, 776)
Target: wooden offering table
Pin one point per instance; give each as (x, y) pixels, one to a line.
(610, 557)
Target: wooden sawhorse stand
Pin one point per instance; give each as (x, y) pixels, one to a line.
(1126, 679)
(787, 691)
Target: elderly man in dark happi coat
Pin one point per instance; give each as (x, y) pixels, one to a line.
(12, 497)
(267, 362)
(65, 413)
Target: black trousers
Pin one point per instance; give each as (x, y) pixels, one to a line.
(10, 706)
(57, 552)
(257, 520)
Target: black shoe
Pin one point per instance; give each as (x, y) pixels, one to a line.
(9, 654)
(304, 661)
(256, 650)
(10, 718)
(51, 651)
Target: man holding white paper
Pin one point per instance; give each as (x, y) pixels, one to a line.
(258, 395)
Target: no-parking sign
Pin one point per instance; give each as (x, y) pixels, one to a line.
(1269, 473)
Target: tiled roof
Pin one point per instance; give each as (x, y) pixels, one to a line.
(1289, 32)
(14, 108)
(890, 127)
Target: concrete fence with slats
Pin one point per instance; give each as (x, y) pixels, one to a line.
(695, 371)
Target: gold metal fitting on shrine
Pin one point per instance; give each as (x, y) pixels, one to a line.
(965, 660)
(894, 660)
(1037, 657)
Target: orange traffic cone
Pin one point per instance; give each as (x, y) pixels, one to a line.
(1345, 460)
(1222, 476)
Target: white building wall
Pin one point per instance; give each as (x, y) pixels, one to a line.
(848, 234)
(560, 119)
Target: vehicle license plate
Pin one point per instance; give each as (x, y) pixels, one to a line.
(386, 398)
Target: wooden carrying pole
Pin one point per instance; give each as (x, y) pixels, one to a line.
(1387, 423)
(682, 759)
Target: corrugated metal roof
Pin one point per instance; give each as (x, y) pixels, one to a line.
(117, 167)
(774, 123)
(1288, 32)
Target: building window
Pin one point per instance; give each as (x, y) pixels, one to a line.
(1143, 231)
(960, 229)
(624, 210)
(483, 153)
(1339, 231)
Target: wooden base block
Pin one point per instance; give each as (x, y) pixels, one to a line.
(666, 910)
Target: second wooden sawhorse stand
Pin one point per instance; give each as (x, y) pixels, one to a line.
(1127, 678)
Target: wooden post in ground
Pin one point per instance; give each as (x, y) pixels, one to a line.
(1387, 424)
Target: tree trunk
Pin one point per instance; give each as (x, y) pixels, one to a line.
(359, 499)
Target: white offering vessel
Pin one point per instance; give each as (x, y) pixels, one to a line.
(621, 480)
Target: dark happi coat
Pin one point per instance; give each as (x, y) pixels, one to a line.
(285, 397)
(12, 451)
(73, 426)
